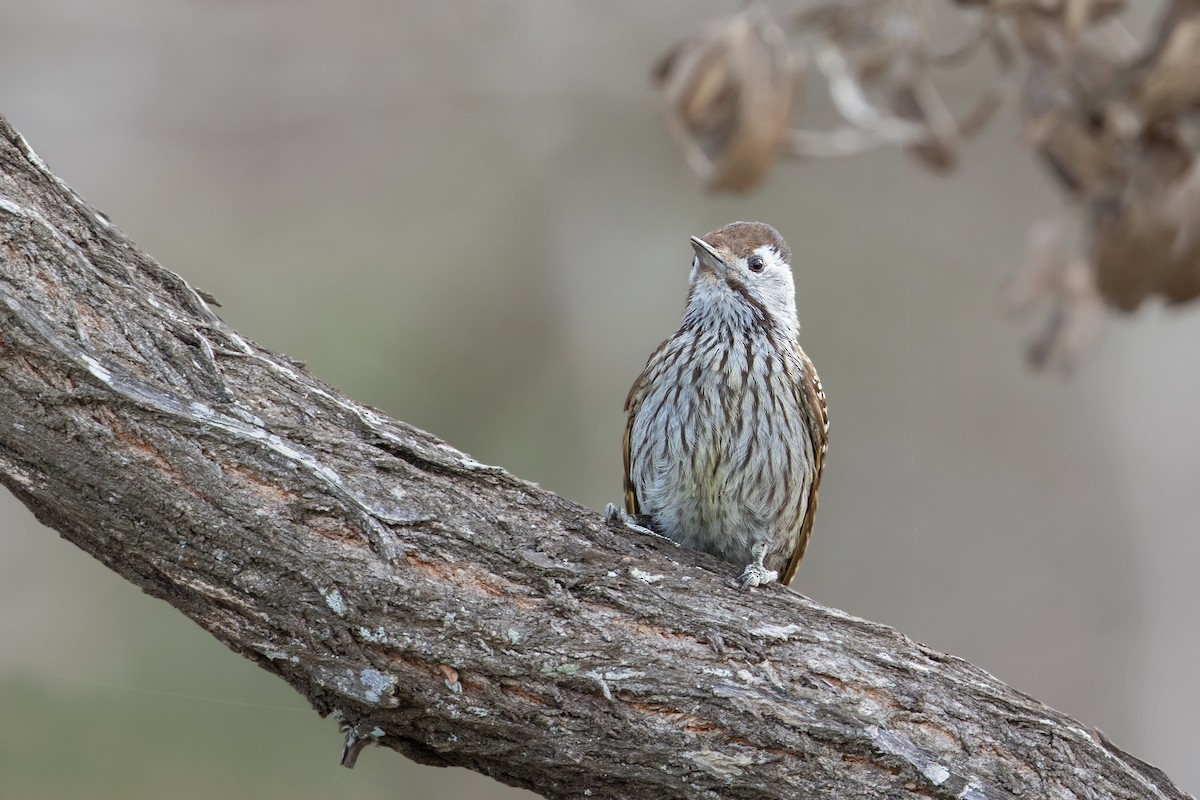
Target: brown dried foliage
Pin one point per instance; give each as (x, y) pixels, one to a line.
(1113, 120)
(729, 92)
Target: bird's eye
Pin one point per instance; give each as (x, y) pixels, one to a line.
(756, 263)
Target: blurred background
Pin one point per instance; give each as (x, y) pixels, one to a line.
(469, 216)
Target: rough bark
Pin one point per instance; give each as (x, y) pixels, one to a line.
(444, 608)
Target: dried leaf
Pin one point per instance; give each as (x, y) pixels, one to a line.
(1051, 273)
(1170, 83)
(1069, 138)
(1073, 14)
(1077, 15)
(921, 103)
(1144, 242)
(729, 91)
(1075, 320)
(1047, 257)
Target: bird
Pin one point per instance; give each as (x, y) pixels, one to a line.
(727, 426)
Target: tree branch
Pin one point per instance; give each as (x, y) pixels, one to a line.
(444, 608)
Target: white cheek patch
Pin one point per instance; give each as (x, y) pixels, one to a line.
(776, 290)
(770, 256)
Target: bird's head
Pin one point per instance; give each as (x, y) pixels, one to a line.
(743, 271)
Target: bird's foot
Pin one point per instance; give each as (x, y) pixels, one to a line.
(756, 575)
(615, 515)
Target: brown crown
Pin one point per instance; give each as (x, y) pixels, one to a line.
(740, 239)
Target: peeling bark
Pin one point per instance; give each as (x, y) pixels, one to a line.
(444, 608)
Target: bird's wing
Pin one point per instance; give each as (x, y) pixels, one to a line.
(633, 403)
(812, 400)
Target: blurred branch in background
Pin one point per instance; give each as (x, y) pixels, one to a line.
(1114, 121)
(444, 608)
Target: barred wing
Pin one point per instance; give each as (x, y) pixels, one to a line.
(812, 401)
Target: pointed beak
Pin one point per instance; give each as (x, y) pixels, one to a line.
(708, 258)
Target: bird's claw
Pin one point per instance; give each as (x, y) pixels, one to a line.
(756, 575)
(615, 515)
